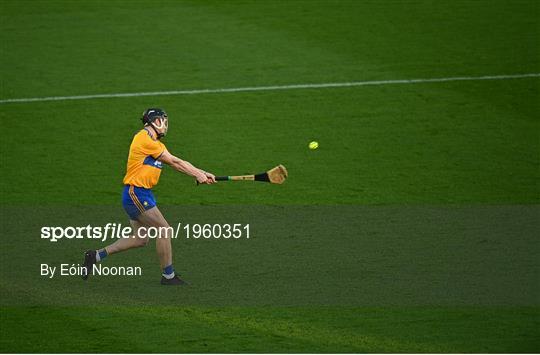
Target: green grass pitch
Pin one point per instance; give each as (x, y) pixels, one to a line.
(413, 228)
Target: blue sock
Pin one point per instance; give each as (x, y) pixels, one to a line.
(101, 254)
(168, 272)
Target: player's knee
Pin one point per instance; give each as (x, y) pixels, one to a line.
(164, 231)
(168, 232)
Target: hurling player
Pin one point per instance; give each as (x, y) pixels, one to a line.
(146, 155)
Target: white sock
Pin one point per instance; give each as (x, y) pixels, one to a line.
(168, 277)
(98, 258)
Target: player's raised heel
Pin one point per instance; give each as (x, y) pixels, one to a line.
(89, 262)
(175, 281)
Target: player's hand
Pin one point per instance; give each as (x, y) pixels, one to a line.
(210, 177)
(202, 179)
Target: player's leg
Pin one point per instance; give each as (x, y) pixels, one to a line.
(134, 241)
(92, 257)
(154, 218)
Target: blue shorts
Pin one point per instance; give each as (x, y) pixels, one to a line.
(136, 200)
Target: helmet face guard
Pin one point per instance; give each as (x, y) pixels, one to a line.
(149, 119)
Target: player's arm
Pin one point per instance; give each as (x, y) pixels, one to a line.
(187, 168)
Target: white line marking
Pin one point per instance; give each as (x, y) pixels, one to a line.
(273, 88)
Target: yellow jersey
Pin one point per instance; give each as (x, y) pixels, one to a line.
(143, 166)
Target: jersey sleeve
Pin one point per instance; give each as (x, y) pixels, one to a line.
(152, 147)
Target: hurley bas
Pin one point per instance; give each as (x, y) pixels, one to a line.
(97, 270)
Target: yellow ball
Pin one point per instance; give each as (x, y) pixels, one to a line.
(313, 145)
